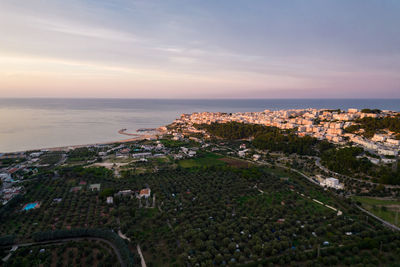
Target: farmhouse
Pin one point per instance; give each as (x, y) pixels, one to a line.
(145, 193)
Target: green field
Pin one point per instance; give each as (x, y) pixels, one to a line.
(205, 160)
(385, 209)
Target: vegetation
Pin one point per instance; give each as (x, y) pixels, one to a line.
(81, 154)
(372, 126)
(235, 130)
(270, 138)
(203, 160)
(204, 211)
(374, 111)
(386, 209)
(6, 162)
(51, 158)
(345, 161)
(100, 233)
(82, 253)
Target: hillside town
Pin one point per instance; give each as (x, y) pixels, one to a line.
(322, 124)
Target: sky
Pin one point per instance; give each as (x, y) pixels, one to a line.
(200, 49)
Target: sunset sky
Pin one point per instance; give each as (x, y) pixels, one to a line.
(200, 49)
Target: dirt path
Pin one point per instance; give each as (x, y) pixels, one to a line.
(143, 263)
(123, 236)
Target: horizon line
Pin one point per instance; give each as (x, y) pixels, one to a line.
(215, 98)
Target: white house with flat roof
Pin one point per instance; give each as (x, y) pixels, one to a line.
(332, 183)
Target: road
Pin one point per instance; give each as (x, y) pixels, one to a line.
(63, 240)
(143, 263)
(388, 224)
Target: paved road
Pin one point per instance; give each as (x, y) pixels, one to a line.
(63, 240)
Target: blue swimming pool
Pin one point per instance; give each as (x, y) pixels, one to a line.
(30, 206)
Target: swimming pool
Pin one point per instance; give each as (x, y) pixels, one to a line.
(30, 206)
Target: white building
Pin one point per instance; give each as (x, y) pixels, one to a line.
(242, 153)
(387, 152)
(110, 200)
(379, 138)
(332, 182)
(393, 142)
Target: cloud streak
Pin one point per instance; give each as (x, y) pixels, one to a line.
(199, 49)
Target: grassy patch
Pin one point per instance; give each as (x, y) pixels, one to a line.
(383, 208)
(376, 201)
(205, 160)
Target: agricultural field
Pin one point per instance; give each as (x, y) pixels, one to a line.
(221, 217)
(386, 209)
(224, 213)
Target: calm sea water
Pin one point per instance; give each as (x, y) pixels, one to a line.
(42, 123)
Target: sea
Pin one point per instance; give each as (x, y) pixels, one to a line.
(27, 124)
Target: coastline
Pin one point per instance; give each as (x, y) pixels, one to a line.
(69, 147)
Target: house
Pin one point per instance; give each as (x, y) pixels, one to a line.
(191, 153)
(145, 193)
(332, 182)
(110, 200)
(4, 176)
(159, 146)
(124, 151)
(57, 200)
(256, 157)
(388, 161)
(36, 154)
(242, 153)
(141, 155)
(94, 187)
(12, 170)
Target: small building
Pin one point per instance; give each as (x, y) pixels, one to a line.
(332, 182)
(141, 155)
(191, 153)
(124, 193)
(57, 200)
(36, 154)
(110, 200)
(242, 153)
(145, 193)
(94, 187)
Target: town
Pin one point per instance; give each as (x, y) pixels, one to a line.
(321, 124)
